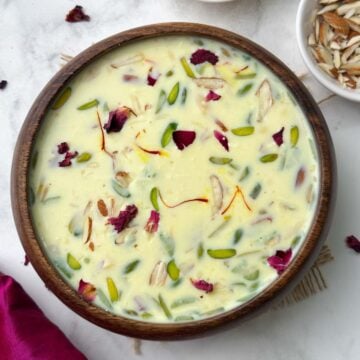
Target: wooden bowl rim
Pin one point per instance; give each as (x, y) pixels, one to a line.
(172, 331)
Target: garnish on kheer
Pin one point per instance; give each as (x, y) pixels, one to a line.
(172, 181)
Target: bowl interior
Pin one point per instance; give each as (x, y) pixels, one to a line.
(135, 328)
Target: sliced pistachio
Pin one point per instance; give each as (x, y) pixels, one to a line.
(34, 159)
(169, 73)
(200, 250)
(183, 301)
(103, 298)
(220, 160)
(73, 262)
(83, 157)
(173, 94)
(76, 224)
(254, 286)
(183, 95)
(295, 241)
(89, 105)
(62, 99)
(172, 270)
(221, 253)
(146, 315)
(184, 318)
(245, 173)
(220, 227)
(130, 312)
(119, 189)
(112, 289)
(31, 196)
(168, 243)
(161, 101)
(50, 199)
(187, 68)
(167, 135)
(255, 191)
(164, 307)
(154, 194)
(176, 283)
(63, 269)
(243, 131)
(294, 136)
(131, 266)
(253, 275)
(244, 75)
(238, 235)
(269, 158)
(213, 312)
(245, 89)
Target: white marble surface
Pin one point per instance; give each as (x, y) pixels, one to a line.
(32, 35)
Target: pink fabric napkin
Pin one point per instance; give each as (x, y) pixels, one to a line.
(25, 332)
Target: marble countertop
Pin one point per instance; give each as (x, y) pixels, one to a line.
(33, 33)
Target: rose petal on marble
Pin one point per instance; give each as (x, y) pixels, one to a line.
(86, 290)
(63, 148)
(202, 55)
(153, 222)
(124, 218)
(203, 285)
(183, 138)
(278, 137)
(117, 119)
(212, 96)
(280, 260)
(77, 14)
(3, 84)
(353, 243)
(222, 139)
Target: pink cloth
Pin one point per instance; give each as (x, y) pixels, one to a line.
(25, 332)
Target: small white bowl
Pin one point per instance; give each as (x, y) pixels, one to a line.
(303, 29)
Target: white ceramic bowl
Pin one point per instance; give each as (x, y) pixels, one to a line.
(303, 29)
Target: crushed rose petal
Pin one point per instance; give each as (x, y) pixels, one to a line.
(77, 14)
(203, 285)
(212, 96)
(117, 119)
(183, 138)
(280, 260)
(86, 290)
(68, 157)
(124, 218)
(153, 222)
(278, 137)
(63, 148)
(201, 55)
(353, 243)
(129, 77)
(3, 84)
(222, 139)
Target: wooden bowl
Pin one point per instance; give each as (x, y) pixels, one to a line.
(174, 331)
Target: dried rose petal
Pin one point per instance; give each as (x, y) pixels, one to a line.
(278, 137)
(124, 218)
(86, 290)
(129, 77)
(77, 14)
(201, 55)
(63, 148)
(3, 84)
(151, 79)
(183, 138)
(153, 222)
(203, 285)
(67, 160)
(212, 96)
(353, 243)
(117, 119)
(26, 260)
(280, 260)
(222, 139)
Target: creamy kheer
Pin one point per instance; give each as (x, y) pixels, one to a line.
(173, 179)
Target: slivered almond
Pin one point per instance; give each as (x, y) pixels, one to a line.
(353, 25)
(158, 275)
(210, 83)
(87, 230)
(323, 33)
(327, 8)
(218, 193)
(123, 178)
(131, 60)
(102, 207)
(337, 22)
(343, 9)
(352, 68)
(264, 94)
